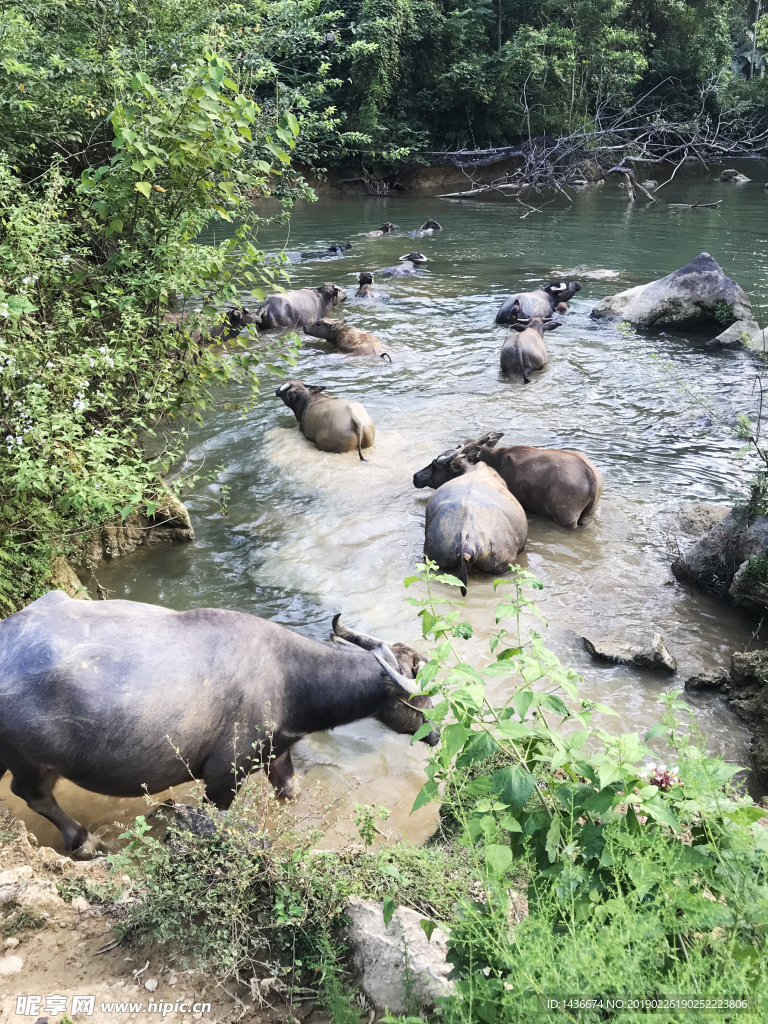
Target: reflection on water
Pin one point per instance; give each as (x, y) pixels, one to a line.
(309, 534)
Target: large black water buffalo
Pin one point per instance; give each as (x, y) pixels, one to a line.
(562, 484)
(123, 698)
(408, 264)
(472, 520)
(541, 302)
(303, 306)
(237, 319)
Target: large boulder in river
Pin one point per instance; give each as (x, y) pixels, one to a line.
(696, 297)
(749, 699)
(731, 558)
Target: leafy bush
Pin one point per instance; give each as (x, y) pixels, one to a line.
(646, 881)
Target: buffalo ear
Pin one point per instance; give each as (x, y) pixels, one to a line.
(459, 464)
(550, 325)
(316, 388)
(518, 327)
(493, 439)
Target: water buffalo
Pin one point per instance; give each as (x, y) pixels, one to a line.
(386, 229)
(365, 287)
(524, 350)
(562, 484)
(312, 254)
(124, 698)
(408, 265)
(237, 319)
(539, 303)
(332, 424)
(304, 306)
(473, 520)
(348, 339)
(429, 227)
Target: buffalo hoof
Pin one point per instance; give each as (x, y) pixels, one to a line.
(89, 849)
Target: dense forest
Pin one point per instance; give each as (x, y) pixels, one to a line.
(128, 127)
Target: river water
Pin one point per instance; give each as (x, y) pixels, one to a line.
(308, 534)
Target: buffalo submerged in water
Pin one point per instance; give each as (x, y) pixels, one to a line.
(124, 698)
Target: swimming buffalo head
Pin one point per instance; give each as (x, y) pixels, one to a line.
(431, 225)
(322, 328)
(453, 462)
(417, 258)
(561, 291)
(339, 247)
(537, 324)
(296, 395)
(332, 294)
(403, 707)
(365, 278)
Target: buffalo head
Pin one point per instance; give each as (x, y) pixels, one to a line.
(321, 328)
(561, 291)
(536, 323)
(431, 225)
(403, 707)
(365, 278)
(296, 395)
(417, 258)
(332, 294)
(453, 462)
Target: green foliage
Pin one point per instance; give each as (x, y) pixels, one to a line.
(656, 877)
(724, 313)
(22, 920)
(365, 820)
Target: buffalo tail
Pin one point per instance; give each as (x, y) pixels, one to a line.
(359, 426)
(523, 369)
(386, 355)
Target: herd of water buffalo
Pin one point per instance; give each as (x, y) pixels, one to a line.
(124, 698)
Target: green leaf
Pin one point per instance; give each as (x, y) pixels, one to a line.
(151, 508)
(144, 187)
(515, 730)
(388, 910)
(656, 730)
(125, 513)
(746, 815)
(509, 823)
(426, 794)
(453, 738)
(514, 785)
(480, 747)
(552, 844)
(421, 732)
(554, 703)
(522, 701)
(498, 858)
(658, 809)
(599, 803)
(427, 927)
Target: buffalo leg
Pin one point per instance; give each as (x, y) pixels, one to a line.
(280, 774)
(36, 787)
(3, 770)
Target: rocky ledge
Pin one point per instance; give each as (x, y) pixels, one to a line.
(745, 688)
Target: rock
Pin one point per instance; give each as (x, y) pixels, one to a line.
(11, 883)
(732, 175)
(150, 984)
(696, 519)
(651, 184)
(41, 896)
(169, 524)
(590, 170)
(10, 965)
(620, 652)
(63, 577)
(731, 558)
(708, 680)
(10, 943)
(377, 954)
(749, 699)
(689, 298)
(81, 904)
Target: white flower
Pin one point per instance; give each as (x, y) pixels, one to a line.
(50, 365)
(9, 438)
(651, 767)
(102, 349)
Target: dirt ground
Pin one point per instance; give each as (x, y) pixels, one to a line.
(53, 960)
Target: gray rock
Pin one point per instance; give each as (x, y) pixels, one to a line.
(619, 652)
(732, 175)
(708, 680)
(687, 298)
(695, 519)
(377, 954)
(10, 965)
(731, 558)
(749, 699)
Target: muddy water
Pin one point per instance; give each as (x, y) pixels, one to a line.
(309, 534)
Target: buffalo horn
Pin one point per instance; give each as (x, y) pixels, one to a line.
(368, 643)
(401, 681)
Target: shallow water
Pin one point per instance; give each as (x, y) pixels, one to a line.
(308, 534)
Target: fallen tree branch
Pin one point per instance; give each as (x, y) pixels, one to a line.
(698, 205)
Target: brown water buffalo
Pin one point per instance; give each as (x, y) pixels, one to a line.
(237, 319)
(524, 350)
(386, 229)
(473, 520)
(331, 424)
(124, 698)
(304, 306)
(537, 303)
(365, 288)
(562, 484)
(348, 339)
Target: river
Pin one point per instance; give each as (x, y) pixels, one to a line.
(308, 534)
